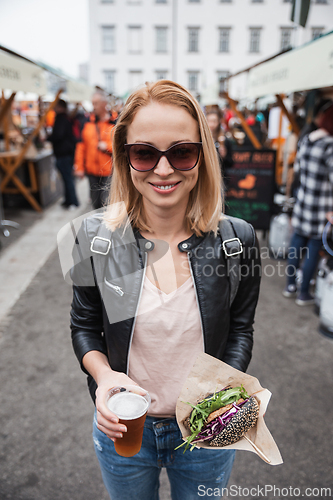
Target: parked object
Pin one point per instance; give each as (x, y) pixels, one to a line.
(279, 235)
(322, 272)
(326, 309)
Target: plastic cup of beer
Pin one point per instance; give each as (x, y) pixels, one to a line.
(130, 404)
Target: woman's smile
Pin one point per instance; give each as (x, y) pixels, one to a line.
(165, 187)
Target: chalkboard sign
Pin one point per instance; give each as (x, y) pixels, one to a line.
(250, 186)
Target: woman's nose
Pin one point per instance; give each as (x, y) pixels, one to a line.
(163, 168)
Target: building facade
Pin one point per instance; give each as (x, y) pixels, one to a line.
(194, 42)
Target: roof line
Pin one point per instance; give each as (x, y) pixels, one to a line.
(13, 53)
(258, 64)
(276, 55)
(57, 72)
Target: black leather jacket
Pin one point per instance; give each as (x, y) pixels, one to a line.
(107, 290)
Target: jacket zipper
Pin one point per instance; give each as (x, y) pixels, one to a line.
(137, 308)
(197, 298)
(116, 288)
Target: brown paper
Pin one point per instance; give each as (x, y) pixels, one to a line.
(209, 374)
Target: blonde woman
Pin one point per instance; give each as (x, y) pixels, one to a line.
(161, 295)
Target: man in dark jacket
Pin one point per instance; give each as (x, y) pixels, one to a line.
(63, 141)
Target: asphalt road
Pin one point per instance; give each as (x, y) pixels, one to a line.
(46, 450)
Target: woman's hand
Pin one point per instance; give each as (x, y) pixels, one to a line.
(97, 364)
(107, 421)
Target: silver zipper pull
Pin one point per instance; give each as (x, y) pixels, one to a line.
(118, 290)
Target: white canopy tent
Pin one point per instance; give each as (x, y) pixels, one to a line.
(304, 68)
(17, 74)
(78, 91)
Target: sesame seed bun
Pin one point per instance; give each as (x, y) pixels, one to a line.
(244, 419)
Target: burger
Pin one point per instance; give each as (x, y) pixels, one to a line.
(221, 418)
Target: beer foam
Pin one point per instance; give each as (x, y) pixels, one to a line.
(127, 405)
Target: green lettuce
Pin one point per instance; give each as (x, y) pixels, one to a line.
(202, 410)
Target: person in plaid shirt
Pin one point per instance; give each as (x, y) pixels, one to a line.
(314, 204)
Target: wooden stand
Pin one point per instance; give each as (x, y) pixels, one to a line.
(10, 161)
(9, 165)
(246, 128)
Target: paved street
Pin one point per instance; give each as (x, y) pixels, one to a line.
(46, 450)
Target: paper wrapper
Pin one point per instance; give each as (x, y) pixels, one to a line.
(210, 374)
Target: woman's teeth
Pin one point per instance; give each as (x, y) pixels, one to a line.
(165, 187)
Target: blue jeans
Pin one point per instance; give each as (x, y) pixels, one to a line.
(137, 477)
(65, 167)
(310, 247)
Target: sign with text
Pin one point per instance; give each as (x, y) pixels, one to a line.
(292, 71)
(17, 74)
(250, 186)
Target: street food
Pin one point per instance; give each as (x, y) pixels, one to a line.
(222, 418)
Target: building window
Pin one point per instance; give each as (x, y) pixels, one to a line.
(161, 39)
(107, 1)
(134, 2)
(223, 84)
(134, 39)
(321, 1)
(316, 32)
(193, 39)
(257, 1)
(135, 79)
(161, 1)
(161, 74)
(286, 38)
(225, 1)
(224, 38)
(193, 80)
(255, 39)
(108, 39)
(194, 1)
(109, 79)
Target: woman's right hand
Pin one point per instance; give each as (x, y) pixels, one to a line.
(107, 421)
(96, 363)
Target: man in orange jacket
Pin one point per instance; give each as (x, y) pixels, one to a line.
(93, 154)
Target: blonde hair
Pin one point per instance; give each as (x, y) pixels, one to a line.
(204, 207)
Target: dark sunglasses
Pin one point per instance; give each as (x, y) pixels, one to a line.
(181, 156)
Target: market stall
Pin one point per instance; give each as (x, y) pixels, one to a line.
(40, 184)
(302, 69)
(19, 74)
(283, 74)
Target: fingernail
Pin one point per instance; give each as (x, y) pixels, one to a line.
(115, 420)
(119, 435)
(113, 439)
(123, 429)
